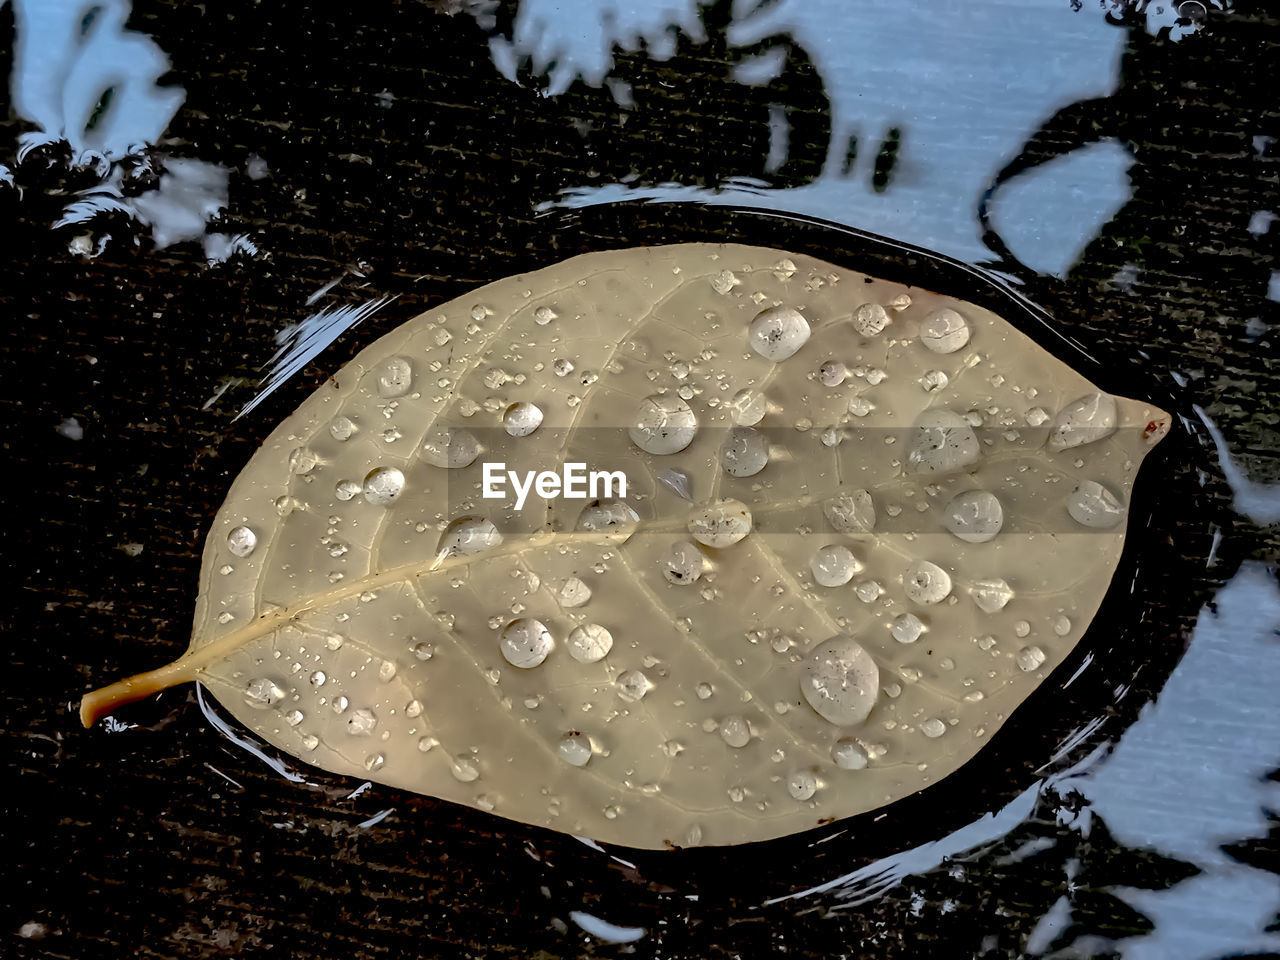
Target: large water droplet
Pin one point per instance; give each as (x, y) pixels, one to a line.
(748, 407)
(745, 453)
(1083, 420)
(777, 333)
(974, 516)
(870, 319)
(241, 541)
(720, 524)
(395, 377)
(663, 424)
(735, 731)
(1093, 505)
(521, 419)
(467, 536)
(525, 643)
(991, 596)
(942, 441)
(575, 749)
(262, 693)
(840, 681)
(450, 447)
(633, 685)
(383, 486)
(464, 770)
(833, 565)
(851, 512)
(589, 643)
(684, 563)
(614, 519)
(944, 331)
(926, 582)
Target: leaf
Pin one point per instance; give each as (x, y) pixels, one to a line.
(904, 515)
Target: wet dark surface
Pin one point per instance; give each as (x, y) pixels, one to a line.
(395, 155)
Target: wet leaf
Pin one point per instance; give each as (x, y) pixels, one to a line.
(904, 515)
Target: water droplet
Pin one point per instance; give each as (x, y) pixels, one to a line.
(942, 441)
(347, 489)
(926, 582)
(562, 367)
(870, 319)
(464, 770)
(974, 516)
(735, 731)
(860, 406)
(387, 670)
(833, 565)
(573, 593)
(684, 564)
(421, 649)
(427, 744)
(777, 333)
(374, 762)
(521, 419)
(589, 642)
(340, 704)
(302, 461)
(944, 331)
(342, 428)
(1022, 628)
(395, 377)
(361, 722)
(575, 749)
(1036, 417)
(720, 524)
(907, 628)
(241, 541)
(466, 536)
(612, 518)
(383, 486)
(450, 448)
(802, 785)
(1093, 505)
(934, 380)
(1083, 420)
(413, 709)
(1029, 658)
(833, 373)
(663, 425)
(525, 643)
(745, 453)
(544, 315)
(633, 685)
(673, 748)
(310, 741)
(991, 596)
(840, 681)
(724, 281)
(848, 754)
(704, 691)
(318, 678)
(1062, 625)
(677, 481)
(611, 812)
(262, 693)
(933, 728)
(851, 512)
(748, 407)
(868, 591)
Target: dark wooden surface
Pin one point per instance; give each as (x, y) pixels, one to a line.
(132, 843)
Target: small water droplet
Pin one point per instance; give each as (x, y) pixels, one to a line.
(974, 516)
(925, 582)
(450, 448)
(589, 643)
(833, 565)
(1062, 625)
(633, 685)
(868, 591)
(1022, 628)
(544, 315)
(525, 643)
(421, 649)
(802, 785)
(383, 486)
(413, 709)
(778, 333)
(575, 749)
(395, 377)
(293, 717)
(934, 380)
(1036, 416)
(361, 722)
(684, 564)
(262, 693)
(347, 489)
(663, 425)
(318, 678)
(870, 319)
(720, 524)
(745, 453)
(342, 428)
(1093, 505)
(848, 754)
(467, 536)
(907, 628)
(1084, 420)
(735, 731)
(427, 744)
(933, 728)
(704, 691)
(573, 593)
(942, 442)
(562, 367)
(374, 762)
(464, 770)
(860, 406)
(241, 541)
(991, 596)
(387, 670)
(340, 704)
(748, 407)
(1029, 658)
(833, 373)
(521, 419)
(944, 331)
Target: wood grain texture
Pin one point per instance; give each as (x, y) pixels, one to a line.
(130, 843)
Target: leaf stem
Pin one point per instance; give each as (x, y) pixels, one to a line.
(98, 703)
